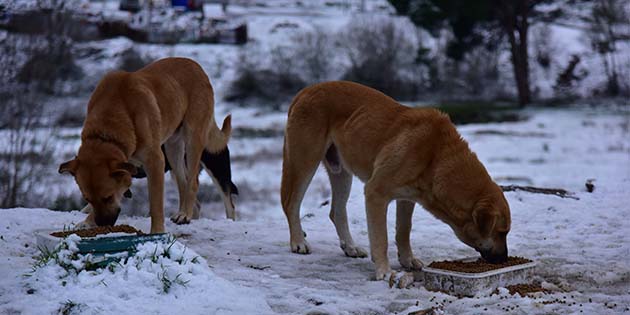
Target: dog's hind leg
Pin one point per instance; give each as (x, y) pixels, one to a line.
(195, 142)
(175, 154)
(301, 158)
(341, 183)
(404, 212)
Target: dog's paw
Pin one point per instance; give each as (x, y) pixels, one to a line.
(411, 263)
(353, 251)
(84, 225)
(383, 273)
(400, 280)
(181, 218)
(300, 247)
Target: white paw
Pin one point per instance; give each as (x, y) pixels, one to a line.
(383, 273)
(181, 218)
(411, 263)
(300, 247)
(83, 225)
(401, 280)
(353, 251)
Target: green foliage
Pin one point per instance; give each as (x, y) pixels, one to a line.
(167, 283)
(44, 257)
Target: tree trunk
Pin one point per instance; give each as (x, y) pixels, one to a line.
(515, 23)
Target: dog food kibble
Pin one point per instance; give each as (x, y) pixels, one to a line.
(99, 230)
(524, 289)
(476, 266)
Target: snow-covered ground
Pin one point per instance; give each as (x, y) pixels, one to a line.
(582, 246)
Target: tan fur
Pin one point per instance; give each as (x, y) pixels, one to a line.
(400, 153)
(130, 115)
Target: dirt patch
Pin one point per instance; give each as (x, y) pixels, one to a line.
(99, 231)
(523, 289)
(476, 266)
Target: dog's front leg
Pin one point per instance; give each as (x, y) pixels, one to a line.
(404, 212)
(89, 221)
(155, 178)
(376, 209)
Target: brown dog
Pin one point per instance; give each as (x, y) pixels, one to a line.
(129, 117)
(405, 154)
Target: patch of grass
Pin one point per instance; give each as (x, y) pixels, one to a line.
(44, 257)
(470, 112)
(167, 283)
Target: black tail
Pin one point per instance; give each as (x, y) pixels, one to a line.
(219, 166)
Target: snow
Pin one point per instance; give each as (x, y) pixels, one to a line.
(581, 246)
(161, 278)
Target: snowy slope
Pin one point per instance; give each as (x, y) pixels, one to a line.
(582, 246)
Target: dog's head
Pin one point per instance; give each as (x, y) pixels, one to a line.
(103, 180)
(487, 228)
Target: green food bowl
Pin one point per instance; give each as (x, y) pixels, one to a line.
(104, 248)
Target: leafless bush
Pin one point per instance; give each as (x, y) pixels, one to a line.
(68, 202)
(315, 54)
(25, 151)
(544, 50)
(132, 60)
(380, 53)
(608, 21)
(50, 59)
(480, 73)
(272, 82)
(72, 116)
(568, 79)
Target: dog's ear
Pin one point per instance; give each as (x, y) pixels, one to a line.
(69, 167)
(123, 169)
(485, 220)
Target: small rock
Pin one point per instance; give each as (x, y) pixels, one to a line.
(590, 187)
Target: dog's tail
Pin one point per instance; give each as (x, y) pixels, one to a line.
(216, 161)
(219, 138)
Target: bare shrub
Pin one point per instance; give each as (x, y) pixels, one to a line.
(544, 49)
(568, 79)
(132, 60)
(25, 153)
(380, 52)
(50, 64)
(480, 73)
(270, 81)
(71, 117)
(315, 54)
(68, 202)
(609, 19)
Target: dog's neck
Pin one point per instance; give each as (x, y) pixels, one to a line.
(109, 139)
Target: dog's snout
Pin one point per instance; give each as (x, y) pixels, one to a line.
(493, 257)
(104, 219)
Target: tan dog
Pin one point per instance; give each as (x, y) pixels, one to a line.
(405, 154)
(129, 117)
